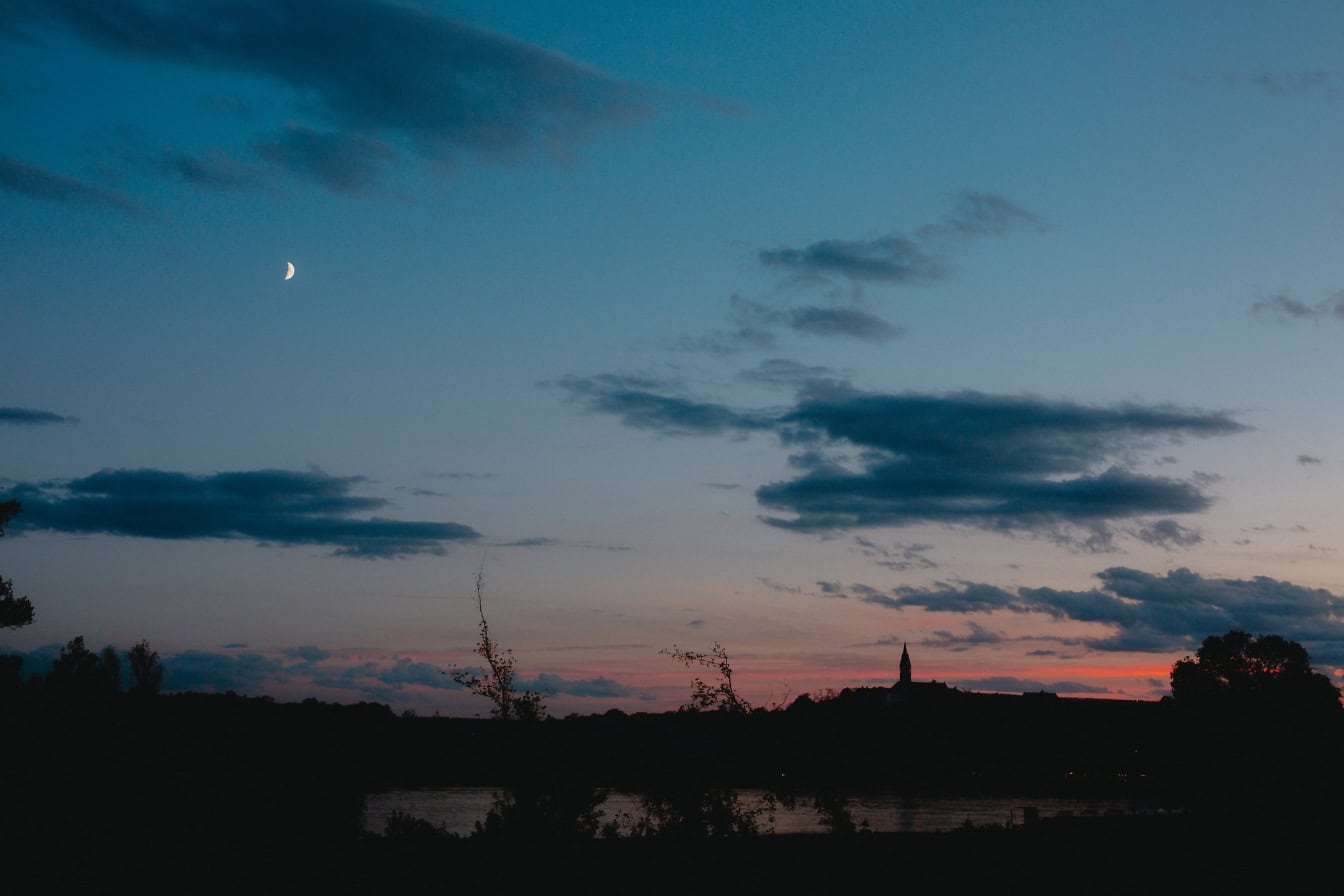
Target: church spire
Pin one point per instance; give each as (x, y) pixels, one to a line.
(905, 664)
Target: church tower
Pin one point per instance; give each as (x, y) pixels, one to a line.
(905, 665)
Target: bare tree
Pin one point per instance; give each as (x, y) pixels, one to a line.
(495, 681)
(717, 694)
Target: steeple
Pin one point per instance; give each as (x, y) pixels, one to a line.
(905, 664)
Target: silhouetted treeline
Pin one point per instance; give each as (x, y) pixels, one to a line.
(175, 777)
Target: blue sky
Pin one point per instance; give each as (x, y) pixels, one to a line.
(1010, 332)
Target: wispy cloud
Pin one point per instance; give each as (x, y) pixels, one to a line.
(896, 258)
(789, 374)
(1284, 307)
(341, 161)
(31, 417)
(888, 259)
(1168, 534)
(34, 182)
(976, 214)
(645, 403)
(279, 507)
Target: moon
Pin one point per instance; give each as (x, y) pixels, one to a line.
(289, 272)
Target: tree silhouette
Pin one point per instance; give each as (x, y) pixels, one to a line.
(718, 694)
(146, 670)
(15, 612)
(496, 681)
(1257, 730)
(1240, 668)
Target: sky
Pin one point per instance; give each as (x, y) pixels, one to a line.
(1008, 332)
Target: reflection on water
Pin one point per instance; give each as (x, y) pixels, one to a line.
(459, 808)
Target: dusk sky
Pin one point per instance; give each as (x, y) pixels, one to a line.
(1013, 332)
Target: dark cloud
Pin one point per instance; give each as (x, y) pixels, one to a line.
(385, 676)
(30, 417)
(547, 683)
(280, 507)
(844, 322)
(1284, 307)
(1143, 612)
(961, 597)
(369, 71)
(199, 670)
(897, 258)
(1168, 534)
(643, 403)
(38, 183)
(1005, 463)
(890, 259)
(1307, 459)
(977, 636)
(723, 486)
(307, 653)
(996, 462)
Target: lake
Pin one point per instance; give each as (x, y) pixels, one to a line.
(459, 808)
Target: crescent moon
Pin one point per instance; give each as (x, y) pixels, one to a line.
(289, 272)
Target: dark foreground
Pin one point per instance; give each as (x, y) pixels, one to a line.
(1095, 855)
(217, 793)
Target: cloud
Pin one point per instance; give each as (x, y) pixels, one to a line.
(643, 403)
(899, 557)
(199, 670)
(277, 507)
(977, 636)
(307, 653)
(369, 72)
(981, 214)
(1306, 459)
(991, 461)
(30, 417)
(215, 171)
(962, 597)
(789, 374)
(38, 183)
(1142, 611)
(342, 162)
(899, 259)
(1168, 534)
(1286, 308)
(546, 683)
(845, 322)
(889, 259)
(753, 326)
(1293, 83)
(1004, 463)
